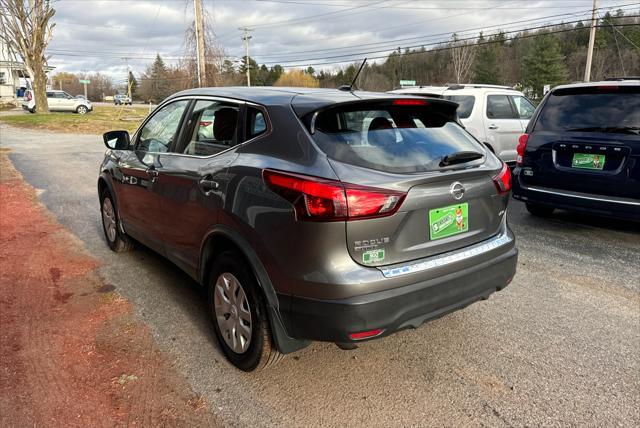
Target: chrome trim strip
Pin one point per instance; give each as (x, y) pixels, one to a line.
(570, 195)
(447, 258)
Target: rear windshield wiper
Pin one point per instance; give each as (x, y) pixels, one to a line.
(614, 129)
(460, 157)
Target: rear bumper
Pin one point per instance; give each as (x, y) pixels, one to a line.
(577, 201)
(396, 309)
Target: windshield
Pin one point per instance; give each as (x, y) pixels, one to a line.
(465, 104)
(400, 139)
(591, 108)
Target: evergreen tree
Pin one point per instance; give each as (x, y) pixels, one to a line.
(543, 64)
(486, 68)
(157, 76)
(134, 83)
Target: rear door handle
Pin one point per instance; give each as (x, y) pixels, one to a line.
(493, 127)
(207, 185)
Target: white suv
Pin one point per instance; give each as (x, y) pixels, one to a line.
(495, 115)
(58, 101)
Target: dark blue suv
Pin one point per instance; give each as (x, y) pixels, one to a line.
(581, 151)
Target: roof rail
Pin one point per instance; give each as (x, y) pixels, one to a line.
(475, 85)
(620, 79)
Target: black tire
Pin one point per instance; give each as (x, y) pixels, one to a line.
(261, 351)
(539, 210)
(119, 242)
(33, 110)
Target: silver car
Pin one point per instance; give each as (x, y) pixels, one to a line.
(58, 101)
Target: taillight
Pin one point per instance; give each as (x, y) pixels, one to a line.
(520, 148)
(29, 96)
(502, 181)
(320, 199)
(205, 123)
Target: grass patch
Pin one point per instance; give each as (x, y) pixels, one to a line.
(100, 120)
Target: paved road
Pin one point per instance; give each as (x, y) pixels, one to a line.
(559, 346)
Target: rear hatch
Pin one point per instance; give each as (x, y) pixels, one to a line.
(442, 177)
(587, 139)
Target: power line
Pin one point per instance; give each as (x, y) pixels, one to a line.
(526, 36)
(395, 41)
(428, 44)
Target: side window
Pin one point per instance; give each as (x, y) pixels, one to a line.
(60, 95)
(49, 94)
(499, 107)
(465, 104)
(213, 128)
(159, 132)
(256, 123)
(524, 106)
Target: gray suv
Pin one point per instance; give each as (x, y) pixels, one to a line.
(312, 214)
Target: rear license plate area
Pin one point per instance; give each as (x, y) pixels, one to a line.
(588, 161)
(448, 221)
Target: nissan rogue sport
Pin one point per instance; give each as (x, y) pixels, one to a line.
(312, 214)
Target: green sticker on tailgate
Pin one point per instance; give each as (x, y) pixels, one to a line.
(448, 221)
(373, 256)
(587, 161)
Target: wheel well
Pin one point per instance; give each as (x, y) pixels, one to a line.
(102, 184)
(215, 245)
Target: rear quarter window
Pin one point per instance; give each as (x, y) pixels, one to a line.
(390, 138)
(465, 104)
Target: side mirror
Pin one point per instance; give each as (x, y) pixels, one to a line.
(116, 140)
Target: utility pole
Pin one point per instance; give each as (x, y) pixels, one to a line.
(592, 39)
(126, 61)
(246, 39)
(200, 42)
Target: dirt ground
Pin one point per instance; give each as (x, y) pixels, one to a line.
(71, 351)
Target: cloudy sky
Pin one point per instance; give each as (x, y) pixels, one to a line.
(95, 35)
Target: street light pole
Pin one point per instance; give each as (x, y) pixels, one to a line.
(592, 39)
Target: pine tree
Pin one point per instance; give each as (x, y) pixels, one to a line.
(488, 64)
(543, 65)
(134, 83)
(486, 69)
(158, 74)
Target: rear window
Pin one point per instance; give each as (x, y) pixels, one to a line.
(390, 138)
(604, 107)
(465, 104)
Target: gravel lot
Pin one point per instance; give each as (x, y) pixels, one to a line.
(559, 346)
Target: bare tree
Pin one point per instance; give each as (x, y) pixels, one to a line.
(213, 53)
(27, 31)
(463, 55)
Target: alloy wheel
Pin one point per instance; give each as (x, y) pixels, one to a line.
(109, 219)
(232, 312)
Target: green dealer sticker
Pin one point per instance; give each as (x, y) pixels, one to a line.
(448, 221)
(373, 256)
(587, 161)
